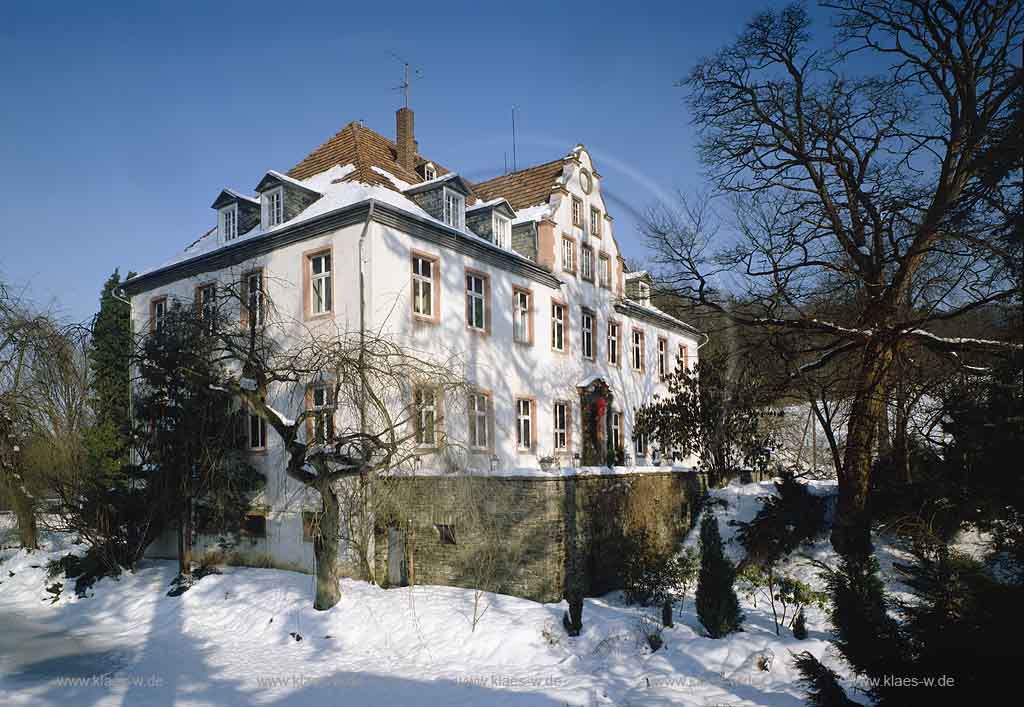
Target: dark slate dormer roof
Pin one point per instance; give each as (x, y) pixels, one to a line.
(364, 149)
(479, 218)
(230, 196)
(297, 196)
(450, 180)
(430, 195)
(274, 178)
(248, 208)
(500, 205)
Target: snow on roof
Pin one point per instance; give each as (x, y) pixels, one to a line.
(400, 184)
(533, 213)
(488, 204)
(635, 274)
(337, 193)
(654, 310)
(291, 180)
(429, 182)
(240, 195)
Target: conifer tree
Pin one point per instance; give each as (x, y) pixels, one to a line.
(717, 605)
(110, 352)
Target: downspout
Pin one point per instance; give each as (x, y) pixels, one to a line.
(706, 340)
(367, 489)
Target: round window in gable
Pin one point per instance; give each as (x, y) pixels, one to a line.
(585, 181)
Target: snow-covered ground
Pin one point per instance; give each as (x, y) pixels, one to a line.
(229, 640)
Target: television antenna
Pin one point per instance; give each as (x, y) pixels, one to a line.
(406, 81)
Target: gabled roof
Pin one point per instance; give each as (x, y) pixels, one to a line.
(275, 177)
(229, 196)
(451, 179)
(364, 149)
(527, 187)
(499, 204)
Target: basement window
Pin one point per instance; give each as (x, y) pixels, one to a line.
(255, 525)
(446, 534)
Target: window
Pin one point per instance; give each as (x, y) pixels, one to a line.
(645, 291)
(587, 325)
(606, 271)
(639, 444)
(568, 255)
(257, 432)
(638, 350)
(476, 301)
(310, 525)
(558, 326)
(323, 414)
(662, 357)
(595, 222)
(273, 207)
(425, 402)
(616, 438)
(454, 209)
(561, 426)
(585, 181)
(446, 534)
(522, 316)
(255, 525)
(577, 212)
(524, 424)
(158, 314)
(684, 356)
(613, 343)
(502, 230)
(229, 222)
(206, 301)
(321, 291)
(429, 172)
(423, 274)
(254, 298)
(587, 263)
(478, 420)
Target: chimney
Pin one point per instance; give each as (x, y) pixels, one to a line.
(405, 139)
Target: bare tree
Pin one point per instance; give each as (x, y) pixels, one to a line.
(382, 403)
(43, 410)
(872, 191)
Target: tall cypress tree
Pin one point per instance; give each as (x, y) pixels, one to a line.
(717, 605)
(109, 356)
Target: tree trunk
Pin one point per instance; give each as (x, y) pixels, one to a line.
(325, 549)
(851, 533)
(28, 531)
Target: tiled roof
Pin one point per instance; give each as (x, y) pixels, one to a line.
(363, 148)
(527, 187)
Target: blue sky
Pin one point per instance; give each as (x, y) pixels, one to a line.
(122, 123)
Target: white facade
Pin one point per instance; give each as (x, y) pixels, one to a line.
(494, 362)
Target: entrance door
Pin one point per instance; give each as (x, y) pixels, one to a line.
(398, 567)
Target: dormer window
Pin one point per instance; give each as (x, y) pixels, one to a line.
(645, 292)
(273, 207)
(502, 230)
(454, 209)
(228, 223)
(429, 172)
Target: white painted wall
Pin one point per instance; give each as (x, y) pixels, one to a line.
(492, 361)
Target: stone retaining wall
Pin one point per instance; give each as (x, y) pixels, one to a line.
(510, 535)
